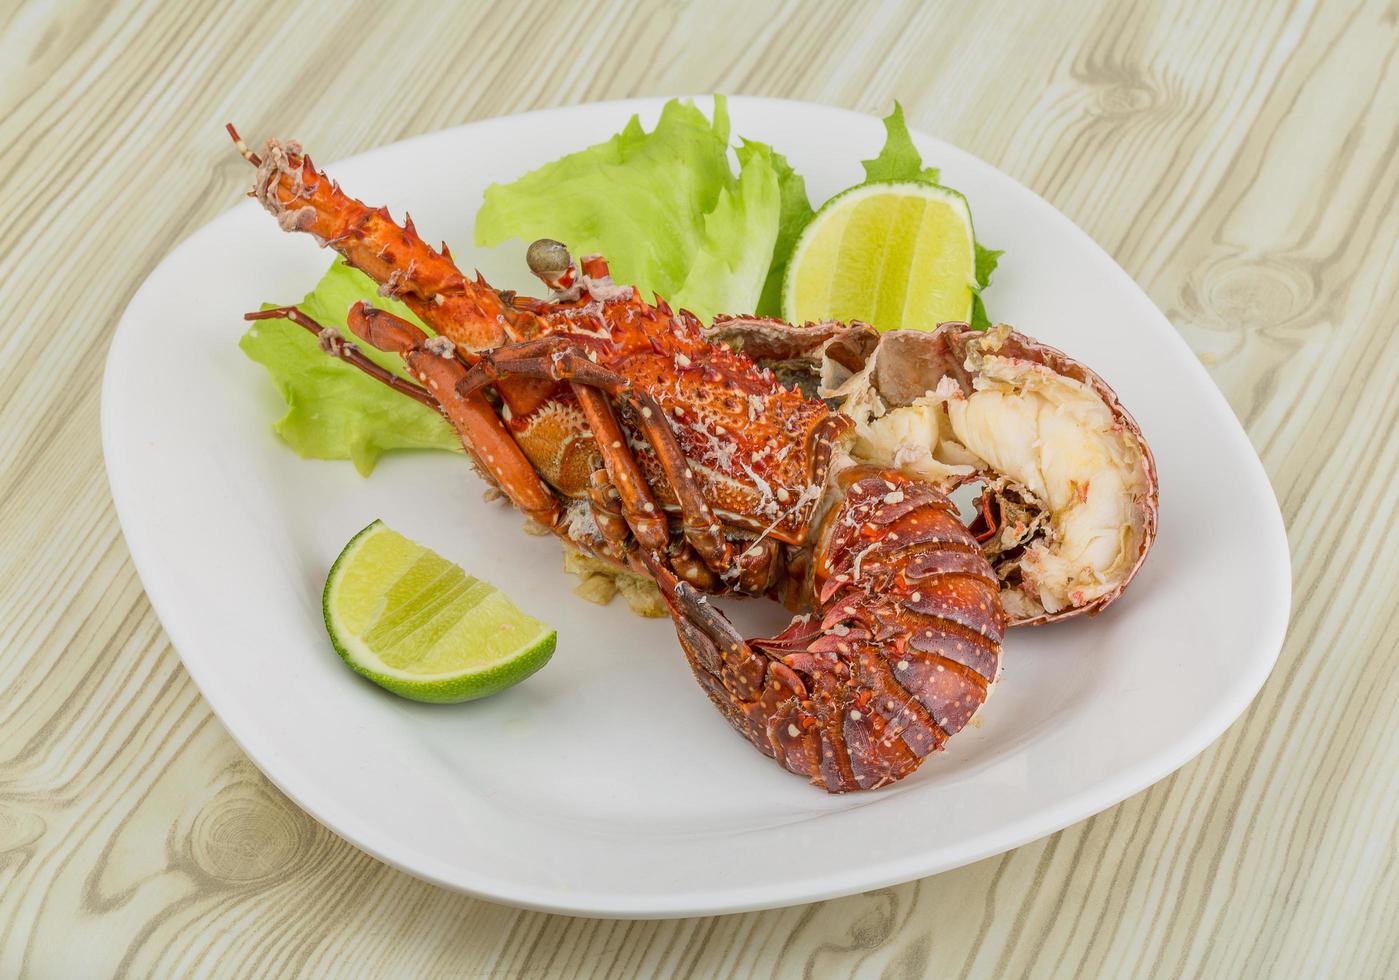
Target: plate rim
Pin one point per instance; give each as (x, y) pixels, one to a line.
(1074, 808)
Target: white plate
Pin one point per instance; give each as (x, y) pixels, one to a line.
(607, 784)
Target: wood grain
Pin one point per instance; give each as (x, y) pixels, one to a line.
(1238, 159)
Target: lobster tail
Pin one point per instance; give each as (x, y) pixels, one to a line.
(900, 652)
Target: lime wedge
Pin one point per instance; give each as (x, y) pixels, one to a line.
(899, 254)
(416, 624)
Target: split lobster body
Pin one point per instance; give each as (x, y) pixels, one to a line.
(759, 451)
(756, 447)
(624, 428)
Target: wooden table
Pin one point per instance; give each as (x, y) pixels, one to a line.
(1239, 159)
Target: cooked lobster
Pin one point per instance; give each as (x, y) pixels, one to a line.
(627, 430)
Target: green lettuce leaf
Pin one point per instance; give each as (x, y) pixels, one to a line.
(899, 160)
(335, 411)
(730, 266)
(793, 215)
(664, 207)
(986, 261)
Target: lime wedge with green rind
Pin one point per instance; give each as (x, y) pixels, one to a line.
(417, 625)
(896, 254)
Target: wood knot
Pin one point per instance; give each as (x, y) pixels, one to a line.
(1254, 294)
(1115, 89)
(1126, 99)
(246, 832)
(871, 918)
(19, 829)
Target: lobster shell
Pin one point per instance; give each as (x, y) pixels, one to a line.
(848, 362)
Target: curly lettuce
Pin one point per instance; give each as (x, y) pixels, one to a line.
(667, 207)
(667, 210)
(335, 411)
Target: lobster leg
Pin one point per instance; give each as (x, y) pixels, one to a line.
(639, 507)
(604, 499)
(481, 430)
(333, 343)
(702, 529)
(442, 370)
(557, 359)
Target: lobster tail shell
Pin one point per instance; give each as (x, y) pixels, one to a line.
(900, 652)
(1013, 344)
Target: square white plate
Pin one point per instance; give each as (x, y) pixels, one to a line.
(607, 784)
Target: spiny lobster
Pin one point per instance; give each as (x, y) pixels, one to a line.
(619, 426)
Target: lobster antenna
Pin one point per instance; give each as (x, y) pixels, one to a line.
(248, 154)
(333, 343)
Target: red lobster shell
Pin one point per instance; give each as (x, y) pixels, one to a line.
(899, 653)
(1046, 519)
(710, 461)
